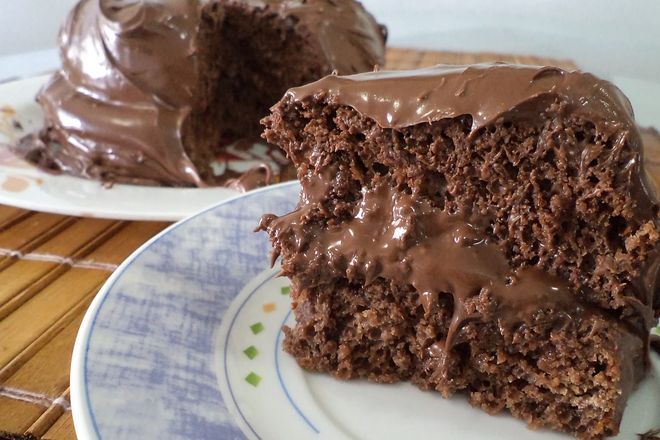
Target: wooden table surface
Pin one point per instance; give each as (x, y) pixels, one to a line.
(51, 266)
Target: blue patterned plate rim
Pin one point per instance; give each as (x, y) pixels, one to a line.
(85, 420)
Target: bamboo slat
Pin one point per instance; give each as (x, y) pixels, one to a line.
(40, 313)
(56, 410)
(42, 265)
(47, 372)
(62, 429)
(10, 215)
(114, 251)
(18, 415)
(30, 233)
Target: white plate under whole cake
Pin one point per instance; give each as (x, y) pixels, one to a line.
(184, 341)
(25, 186)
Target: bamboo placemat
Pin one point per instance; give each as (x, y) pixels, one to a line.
(51, 266)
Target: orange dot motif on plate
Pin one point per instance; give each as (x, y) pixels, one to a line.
(7, 110)
(15, 184)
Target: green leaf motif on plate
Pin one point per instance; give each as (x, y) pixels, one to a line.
(257, 328)
(251, 352)
(253, 379)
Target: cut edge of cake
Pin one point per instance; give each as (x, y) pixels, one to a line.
(475, 228)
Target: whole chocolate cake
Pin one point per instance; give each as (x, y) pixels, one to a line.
(150, 91)
(484, 229)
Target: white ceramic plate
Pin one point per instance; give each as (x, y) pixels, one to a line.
(25, 186)
(184, 341)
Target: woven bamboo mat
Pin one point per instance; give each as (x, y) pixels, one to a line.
(51, 266)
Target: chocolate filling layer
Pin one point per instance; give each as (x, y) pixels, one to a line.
(402, 238)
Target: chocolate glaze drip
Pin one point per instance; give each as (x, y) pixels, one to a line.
(254, 178)
(404, 239)
(116, 109)
(651, 141)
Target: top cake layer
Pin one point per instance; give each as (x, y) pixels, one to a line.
(490, 93)
(131, 71)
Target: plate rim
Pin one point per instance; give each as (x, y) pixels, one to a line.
(84, 422)
(154, 216)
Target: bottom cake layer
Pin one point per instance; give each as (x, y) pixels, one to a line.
(571, 372)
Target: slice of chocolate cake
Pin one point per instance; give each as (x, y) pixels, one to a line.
(484, 229)
(150, 92)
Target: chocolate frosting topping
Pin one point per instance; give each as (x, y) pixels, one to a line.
(486, 92)
(117, 108)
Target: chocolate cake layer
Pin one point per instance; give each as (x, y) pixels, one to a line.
(149, 91)
(570, 374)
(483, 228)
